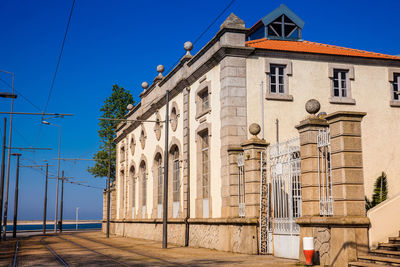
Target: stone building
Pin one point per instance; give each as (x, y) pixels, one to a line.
(233, 189)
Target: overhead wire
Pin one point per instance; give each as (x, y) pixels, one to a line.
(57, 67)
(21, 95)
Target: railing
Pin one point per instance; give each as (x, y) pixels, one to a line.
(241, 185)
(324, 173)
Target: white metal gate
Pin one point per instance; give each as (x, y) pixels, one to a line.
(284, 197)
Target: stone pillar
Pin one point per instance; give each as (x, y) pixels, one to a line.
(338, 238)
(346, 161)
(348, 185)
(233, 209)
(252, 167)
(308, 131)
(233, 94)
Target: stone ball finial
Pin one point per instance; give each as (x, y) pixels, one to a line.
(188, 46)
(254, 129)
(160, 69)
(145, 85)
(129, 107)
(313, 106)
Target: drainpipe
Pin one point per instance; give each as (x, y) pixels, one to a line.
(188, 170)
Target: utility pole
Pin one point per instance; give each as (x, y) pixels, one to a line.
(108, 189)
(62, 200)
(45, 199)
(8, 159)
(76, 218)
(16, 196)
(2, 174)
(165, 204)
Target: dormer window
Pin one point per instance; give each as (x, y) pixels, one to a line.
(280, 24)
(283, 28)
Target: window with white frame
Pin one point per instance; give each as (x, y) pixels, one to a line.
(396, 83)
(340, 83)
(277, 81)
(204, 100)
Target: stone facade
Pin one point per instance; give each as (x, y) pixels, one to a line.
(214, 96)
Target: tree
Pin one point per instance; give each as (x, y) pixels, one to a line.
(380, 192)
(114, 107)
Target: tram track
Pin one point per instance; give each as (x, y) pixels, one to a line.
(113, 246)
(57, 256)
(108, 257)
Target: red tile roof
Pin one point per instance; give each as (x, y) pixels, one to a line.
(317, 48)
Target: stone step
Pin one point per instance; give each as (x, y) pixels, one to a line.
(365, 264)
(394, 240)
(389, 246)
(385, 253)
(379, 260)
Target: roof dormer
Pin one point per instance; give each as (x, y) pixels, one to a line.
(280, 24)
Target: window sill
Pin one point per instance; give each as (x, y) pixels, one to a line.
(342, 100)
(279, 97)
(201, 114)
(395, 103)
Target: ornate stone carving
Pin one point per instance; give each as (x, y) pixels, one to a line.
(132, 144)
(157, 127)
(143, 137)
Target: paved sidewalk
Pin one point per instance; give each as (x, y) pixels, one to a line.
(94, 249)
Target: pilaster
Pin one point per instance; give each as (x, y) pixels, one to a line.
(252, 167)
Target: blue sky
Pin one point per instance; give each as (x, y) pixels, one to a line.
(122, 42)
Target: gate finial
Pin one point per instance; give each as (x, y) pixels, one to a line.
(254, 129)
(313, 106)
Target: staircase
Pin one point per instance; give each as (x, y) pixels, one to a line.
(387, 254)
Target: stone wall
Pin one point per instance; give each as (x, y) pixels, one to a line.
(234, 235)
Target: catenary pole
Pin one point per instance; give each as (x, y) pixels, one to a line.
(16, 197)
(8, 161)
(3, 158)
(45, 199)
(165, 203)
(62, 201)
(109, 189)
(58, 179)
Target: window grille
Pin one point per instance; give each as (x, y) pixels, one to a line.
(160, 181)
(133, 189)
(241, 185)
(277, 79)
(144, 186)
(340, 87)
(324, 173)
(205, 164)
(176, 176)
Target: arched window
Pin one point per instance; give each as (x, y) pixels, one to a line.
(144, 188)
(159, 175)
(176, 181)
(133, 180)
